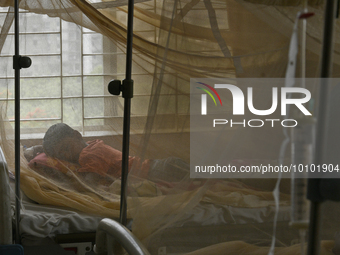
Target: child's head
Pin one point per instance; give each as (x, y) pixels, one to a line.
(63, 142)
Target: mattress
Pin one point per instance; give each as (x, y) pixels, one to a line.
(56, 220)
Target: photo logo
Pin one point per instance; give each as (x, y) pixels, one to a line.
(304, 96)
(240, 127)
(204, 97)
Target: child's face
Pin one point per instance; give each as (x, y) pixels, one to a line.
(69, 148)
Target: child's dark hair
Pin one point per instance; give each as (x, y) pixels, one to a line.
(54, 135)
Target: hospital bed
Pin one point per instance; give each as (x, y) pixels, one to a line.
(43, 224)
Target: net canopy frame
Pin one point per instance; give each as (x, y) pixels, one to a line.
(173, 41)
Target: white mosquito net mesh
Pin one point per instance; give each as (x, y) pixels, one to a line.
(78, 46)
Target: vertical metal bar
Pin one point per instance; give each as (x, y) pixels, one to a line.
(17, 123)
(314, 228)
(127, 112)
(129, 40)
(321, 129)
(61, 71)
(327, 47)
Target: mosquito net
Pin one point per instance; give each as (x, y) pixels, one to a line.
(78, 46)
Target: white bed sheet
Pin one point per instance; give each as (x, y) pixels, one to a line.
(42, 221)
(206, 214)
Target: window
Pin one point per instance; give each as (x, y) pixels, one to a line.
(67, 82)
(71, 67)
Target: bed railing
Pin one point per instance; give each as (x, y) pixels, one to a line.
(5, 203)
(109, 228)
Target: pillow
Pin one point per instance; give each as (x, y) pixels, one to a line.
(44, 161)
(56, 169)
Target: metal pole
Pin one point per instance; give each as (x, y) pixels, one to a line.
(17, 122)
(127, 94)
(321, 129)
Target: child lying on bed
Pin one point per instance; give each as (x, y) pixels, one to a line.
(64, 143)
